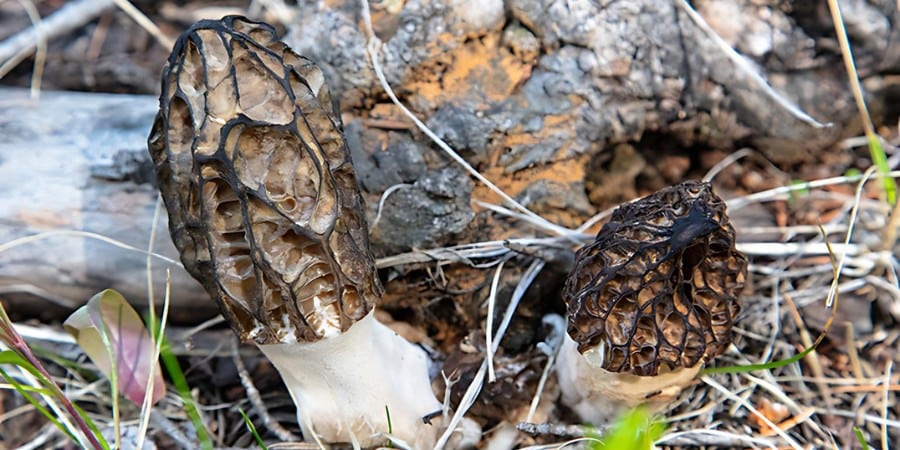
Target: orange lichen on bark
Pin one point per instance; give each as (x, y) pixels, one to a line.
(480, 64)
(564, 171)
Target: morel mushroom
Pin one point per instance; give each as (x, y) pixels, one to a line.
(650, 301)
(266, 213)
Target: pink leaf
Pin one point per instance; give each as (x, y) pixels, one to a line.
(109, 314)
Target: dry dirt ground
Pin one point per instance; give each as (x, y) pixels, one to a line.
(847, 383)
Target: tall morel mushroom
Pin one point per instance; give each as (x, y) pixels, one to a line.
(266, 213)
(650, 301)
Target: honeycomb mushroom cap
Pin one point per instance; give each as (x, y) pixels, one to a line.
(659, 285)
(263, 203)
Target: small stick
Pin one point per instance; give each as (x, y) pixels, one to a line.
(551, 429)
(886, 404)
(812, 359)
(169, 428)
(551, 347)
(855, 365)
(256, 400)
(68, 18)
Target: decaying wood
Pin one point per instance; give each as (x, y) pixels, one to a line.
(72, 161)
(553, 80)
(539, 87)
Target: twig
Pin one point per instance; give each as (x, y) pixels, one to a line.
(537, 221)
(256, 400)
(40, 57)
(712, 438)
(553, 429)
(465, 253)
(725, 162)
(875, 150)
(84, 234)
(852, 353)
(812, 359)
(717, 386)
(145, 23)
(73, 15)
(36, 291)
(166, 426)
(797, 248)
(596, 219)
(551, 348)
(156, 332)
(857, 415)
(477, 383)
(744, 67)
(489, 322)
(42, 438)
(449, 382)
(384, 195)
(782, 192)
(689, 438)
(854, 212)
(886, 403)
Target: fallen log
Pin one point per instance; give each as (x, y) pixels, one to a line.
(75, 163)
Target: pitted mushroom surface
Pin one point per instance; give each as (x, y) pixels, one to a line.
(649, 302)
(266, 213)
(659, 285)
(263, 202)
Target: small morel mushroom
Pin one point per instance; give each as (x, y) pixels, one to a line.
(650, 301)
(266, 213)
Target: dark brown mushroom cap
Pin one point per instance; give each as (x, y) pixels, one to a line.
(257, 179)
(659, 284)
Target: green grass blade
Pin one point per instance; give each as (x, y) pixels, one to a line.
(387, 413)
(11, 357)
(880, 160)
(253, 431)
(635, 430)
(71, 366)
(754, 367)
(861, 438)
(11, 338)
(92, 426)
(876, 152)
(24, 392)
(170, 361)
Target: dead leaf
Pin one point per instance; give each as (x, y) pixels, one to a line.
(108, 327)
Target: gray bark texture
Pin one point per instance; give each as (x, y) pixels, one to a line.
(559, 102)
(579, 75)
(74, 161)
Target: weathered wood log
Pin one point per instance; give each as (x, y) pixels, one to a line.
(525, 84)
(75, 161)
(78, 162)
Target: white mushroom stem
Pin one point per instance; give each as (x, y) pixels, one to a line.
(598, 395)
(345, 386)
